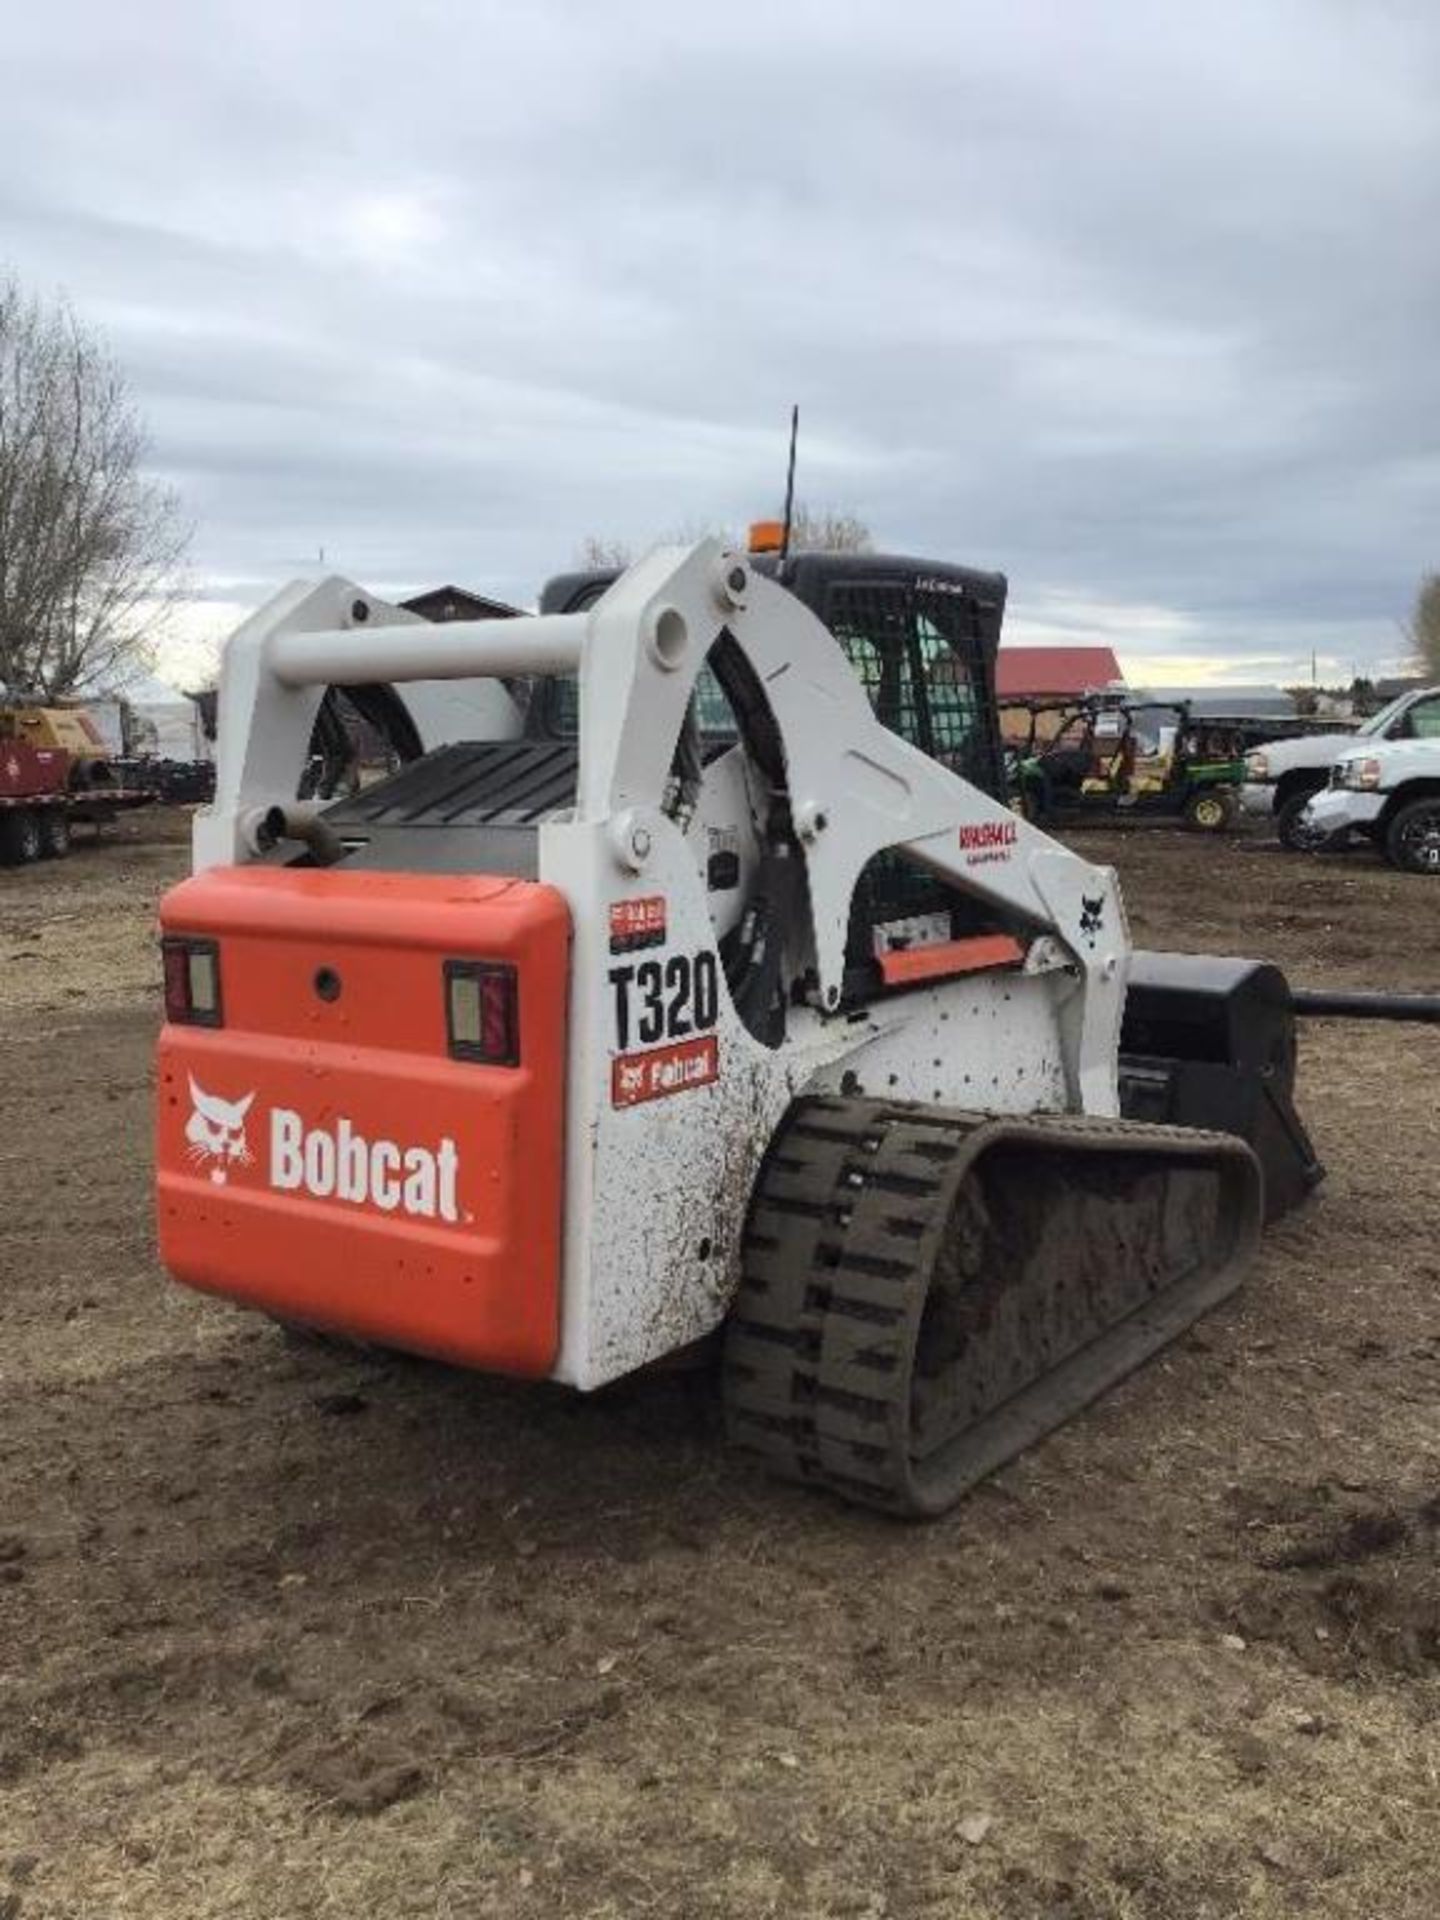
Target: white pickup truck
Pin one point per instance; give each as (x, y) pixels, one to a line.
(1388, 791)
(1281, 776)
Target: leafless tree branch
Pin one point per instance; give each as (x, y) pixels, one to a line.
(812, 530)
(90, 546)
(1424, 628)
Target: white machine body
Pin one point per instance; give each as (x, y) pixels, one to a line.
(670, 1099)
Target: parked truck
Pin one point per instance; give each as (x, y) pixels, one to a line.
(1389, 793)
(1282, 776)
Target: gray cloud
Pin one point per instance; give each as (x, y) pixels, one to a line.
(1134, 301)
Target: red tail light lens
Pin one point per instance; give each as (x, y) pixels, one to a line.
(192, 981)
(482, 1012)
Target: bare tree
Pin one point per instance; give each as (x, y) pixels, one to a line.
(828, 530)
(689, 531)
(1425, 624)
(812, 530)
(90, 546)
(598, 555)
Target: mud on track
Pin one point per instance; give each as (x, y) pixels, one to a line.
(285, 1632)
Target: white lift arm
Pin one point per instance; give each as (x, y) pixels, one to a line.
(855, 788)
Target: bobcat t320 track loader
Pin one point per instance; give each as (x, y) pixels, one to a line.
(555, 1053)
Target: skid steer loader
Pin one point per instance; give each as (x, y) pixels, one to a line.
(692, 1001)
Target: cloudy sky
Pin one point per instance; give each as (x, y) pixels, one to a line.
(1136, 301)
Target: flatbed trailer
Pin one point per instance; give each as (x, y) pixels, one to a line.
(39, 806)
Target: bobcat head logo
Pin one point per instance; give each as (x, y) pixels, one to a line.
(215, 1131)
(1092, 917)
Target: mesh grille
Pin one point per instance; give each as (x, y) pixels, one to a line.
(921, 658)
(919, 652)
(712, 709)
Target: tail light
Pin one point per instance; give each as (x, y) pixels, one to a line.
(192, 981)
(482, 1012)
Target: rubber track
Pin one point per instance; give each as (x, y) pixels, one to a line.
(845, 1230)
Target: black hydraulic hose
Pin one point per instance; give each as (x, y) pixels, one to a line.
(1320, 1004)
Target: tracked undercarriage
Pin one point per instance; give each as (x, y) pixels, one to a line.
(925, 1293)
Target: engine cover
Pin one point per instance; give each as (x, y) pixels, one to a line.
(326, 1155)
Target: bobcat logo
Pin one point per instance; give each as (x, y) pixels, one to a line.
(1092, 917)
(632, 1078)
(215, 1131)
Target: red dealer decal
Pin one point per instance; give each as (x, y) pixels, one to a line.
(988, 840)
(636, 1077)
(637, 923)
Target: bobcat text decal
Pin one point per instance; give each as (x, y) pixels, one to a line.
(347, 1166)
(637, 1077)
(328, 1163)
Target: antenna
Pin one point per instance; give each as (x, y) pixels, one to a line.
(790, 486)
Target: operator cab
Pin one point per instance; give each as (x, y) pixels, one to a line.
(921, 638)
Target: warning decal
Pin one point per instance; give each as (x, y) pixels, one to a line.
(636, 1077)
(637, 923)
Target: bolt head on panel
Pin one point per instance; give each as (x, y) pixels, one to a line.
(730, 580)
(811, 820)
(630, 841)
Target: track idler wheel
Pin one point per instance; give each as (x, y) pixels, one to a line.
(925, 1293)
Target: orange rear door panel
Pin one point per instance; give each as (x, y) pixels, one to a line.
(321, 1156)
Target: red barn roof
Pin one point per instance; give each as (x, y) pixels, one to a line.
(1055, 670)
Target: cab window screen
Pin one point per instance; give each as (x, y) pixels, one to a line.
(716, 720)
(917, 654)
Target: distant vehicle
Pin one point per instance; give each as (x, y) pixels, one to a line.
(56, 772)
(1390, 794)
(1110, 755)
(34, 803)
(174, 783)
(95, 782)
(1282, 775)
(67, 730)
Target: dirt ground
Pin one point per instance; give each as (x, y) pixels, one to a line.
(293, 1633)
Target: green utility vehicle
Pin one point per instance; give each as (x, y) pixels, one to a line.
(1106, 755)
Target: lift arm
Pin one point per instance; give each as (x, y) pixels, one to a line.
(854, 788)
